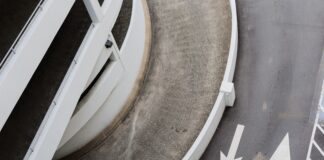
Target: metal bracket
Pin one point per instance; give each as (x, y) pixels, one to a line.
(228, 89)
(108, 44)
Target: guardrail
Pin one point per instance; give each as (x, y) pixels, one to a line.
(133, 55)
(58, 116)
(225, 97)
(21, 33)
(37, 36)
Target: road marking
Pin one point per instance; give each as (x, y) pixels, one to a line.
(318, 148)
(316, 126)
(264, 106)
(283, 150)
(234, 145)
(312, 138)
(320, 128)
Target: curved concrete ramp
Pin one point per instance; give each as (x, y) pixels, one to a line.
(188, 57)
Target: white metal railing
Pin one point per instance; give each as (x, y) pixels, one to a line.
(29, 49)
(133, 55)
(13, 46)
(94, 10)
(58, 116)
(97, 97)
(28, 54)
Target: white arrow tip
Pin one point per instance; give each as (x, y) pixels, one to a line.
(222, 156)
(283, 150)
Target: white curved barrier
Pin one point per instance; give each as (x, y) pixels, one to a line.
(225, 97)
(133, 55)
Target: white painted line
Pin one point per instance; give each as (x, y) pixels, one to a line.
(316, 125)
(283, 150)
(234, 145)
(320, 128)
(318, 148)
(312, 138)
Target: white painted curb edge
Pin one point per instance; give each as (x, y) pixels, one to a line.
(205, 135)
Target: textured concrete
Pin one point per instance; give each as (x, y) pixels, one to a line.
(279, 56)
(189, 52)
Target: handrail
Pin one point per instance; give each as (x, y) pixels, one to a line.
(16, 72)
(134, 55)
(63, 105)
(12, 48)
(205, 135)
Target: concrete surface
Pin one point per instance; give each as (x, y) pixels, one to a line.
(189, 52)
(280, 50)
(24, 121)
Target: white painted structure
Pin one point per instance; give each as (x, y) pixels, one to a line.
(29, 52)
(106, 99)
(225, 97)
(111, 91)
(83, 126)
(65, 130)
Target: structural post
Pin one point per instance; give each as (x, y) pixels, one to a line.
(94, 10)
(228, 89)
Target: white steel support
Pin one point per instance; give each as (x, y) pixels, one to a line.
(102, 59)
(30, 49)
(58, 116)
(134, 55)
(116, 49)
(98, 95)
(228, 89)
(94, 10)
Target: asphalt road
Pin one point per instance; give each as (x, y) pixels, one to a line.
(280, 50)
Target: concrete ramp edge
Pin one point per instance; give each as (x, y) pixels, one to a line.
(225, 97)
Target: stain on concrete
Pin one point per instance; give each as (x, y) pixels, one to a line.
(189, 52)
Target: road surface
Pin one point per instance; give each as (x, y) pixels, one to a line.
(280, 50)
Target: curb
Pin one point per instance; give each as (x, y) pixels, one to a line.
(225, 97)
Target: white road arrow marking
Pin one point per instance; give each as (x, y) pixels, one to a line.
(234, 145)
(283, 150)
